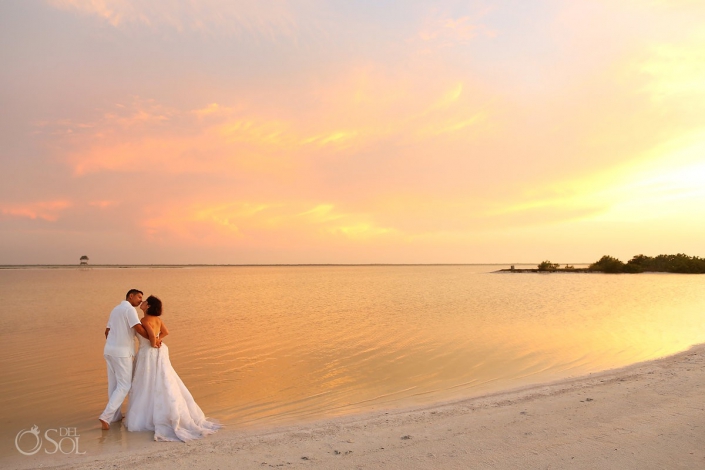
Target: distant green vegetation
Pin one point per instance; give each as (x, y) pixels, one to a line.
(548, 266)
(679, 263)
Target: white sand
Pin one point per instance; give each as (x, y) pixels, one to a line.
(645, 416)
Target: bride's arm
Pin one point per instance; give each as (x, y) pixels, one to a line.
(164, 331)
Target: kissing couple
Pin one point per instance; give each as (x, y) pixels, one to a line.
(159, 400)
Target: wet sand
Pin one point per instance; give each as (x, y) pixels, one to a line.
(648, 415)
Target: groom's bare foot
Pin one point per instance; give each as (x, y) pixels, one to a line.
(104, 425)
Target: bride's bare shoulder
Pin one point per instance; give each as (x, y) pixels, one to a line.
(151, 321)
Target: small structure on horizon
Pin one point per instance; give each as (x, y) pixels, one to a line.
(84, 260)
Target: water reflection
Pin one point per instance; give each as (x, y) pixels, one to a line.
(267, 345)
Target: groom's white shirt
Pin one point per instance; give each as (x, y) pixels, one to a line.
(121, 337)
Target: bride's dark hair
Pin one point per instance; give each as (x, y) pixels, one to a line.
(154, 306)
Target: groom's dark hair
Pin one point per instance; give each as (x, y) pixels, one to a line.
(133, 291)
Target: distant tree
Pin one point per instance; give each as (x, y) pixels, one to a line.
(638, 264)
(680, 263)
(641, 260)
(548, 266)
(607, 264)
(632, 268)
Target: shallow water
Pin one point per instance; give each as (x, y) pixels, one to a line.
(259, 346)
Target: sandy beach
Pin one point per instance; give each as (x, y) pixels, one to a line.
(647, 415)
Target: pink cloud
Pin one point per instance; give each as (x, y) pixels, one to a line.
(44, 210)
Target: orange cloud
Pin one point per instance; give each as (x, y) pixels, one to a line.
(215, 110)
(256, 224)
(360, 110)
(115, 12)
(44, 210)
(102, 204)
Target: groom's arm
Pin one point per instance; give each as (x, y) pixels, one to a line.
(134, 322)
(139, 329)
(107, 330)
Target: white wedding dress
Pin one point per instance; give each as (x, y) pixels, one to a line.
(160, 402)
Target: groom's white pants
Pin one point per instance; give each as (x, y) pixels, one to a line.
(119, 383)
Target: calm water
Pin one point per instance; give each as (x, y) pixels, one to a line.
(259, 346)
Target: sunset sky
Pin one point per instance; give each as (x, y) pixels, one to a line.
(331, 131)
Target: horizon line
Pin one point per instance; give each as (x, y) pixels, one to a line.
(125, 265)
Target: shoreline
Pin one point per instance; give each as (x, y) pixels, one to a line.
(645, 415)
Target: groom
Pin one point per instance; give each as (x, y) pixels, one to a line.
(119, 353)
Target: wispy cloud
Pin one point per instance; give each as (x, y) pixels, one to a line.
(265, 20)
(448, 31)
(357, 111)
(675, 71)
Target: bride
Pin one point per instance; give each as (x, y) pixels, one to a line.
(159, 400)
